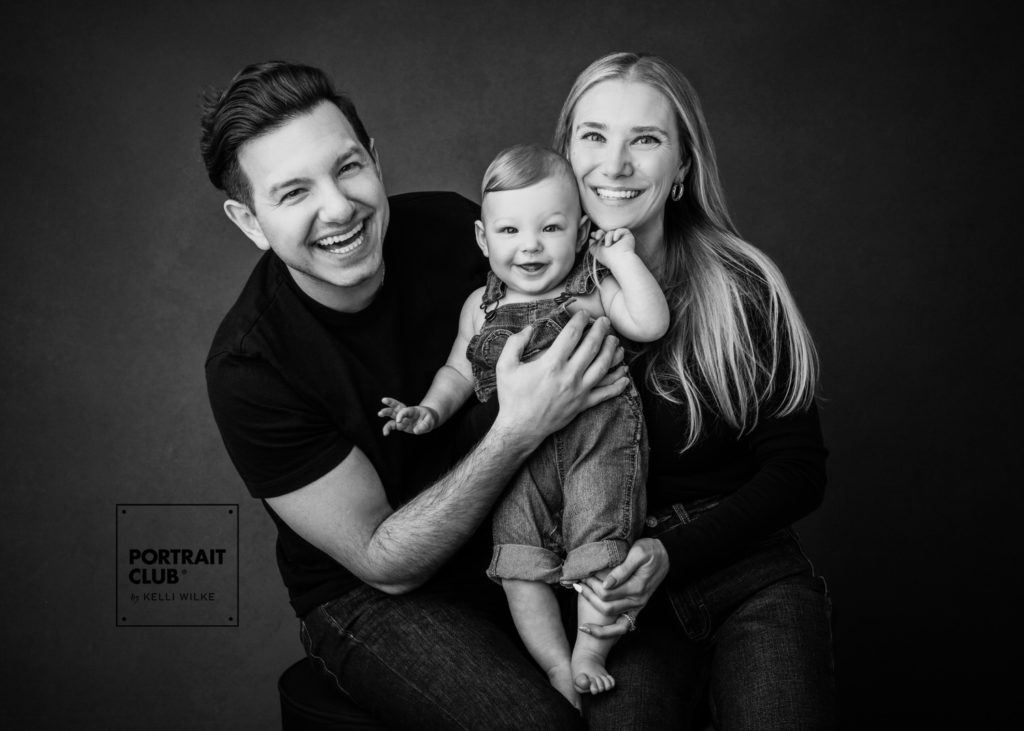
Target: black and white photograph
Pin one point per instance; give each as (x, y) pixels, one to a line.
(510, 365)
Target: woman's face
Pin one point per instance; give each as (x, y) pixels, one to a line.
(626, 153)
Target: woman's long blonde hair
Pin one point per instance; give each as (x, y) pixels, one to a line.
(737, 343)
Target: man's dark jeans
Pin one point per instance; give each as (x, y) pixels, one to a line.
(436, 658)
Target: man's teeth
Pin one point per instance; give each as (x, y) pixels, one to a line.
(347, 241)
(617, 194)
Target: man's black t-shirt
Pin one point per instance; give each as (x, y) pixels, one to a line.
(295, 386)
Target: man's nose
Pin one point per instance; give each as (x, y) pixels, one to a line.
(335, 205)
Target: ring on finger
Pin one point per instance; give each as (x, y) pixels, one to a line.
(631, 618)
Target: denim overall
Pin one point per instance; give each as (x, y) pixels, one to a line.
(578, 503)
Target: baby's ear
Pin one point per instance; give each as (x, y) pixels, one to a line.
(583, 232)
(481, 238)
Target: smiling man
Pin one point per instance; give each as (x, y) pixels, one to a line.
(354, 299)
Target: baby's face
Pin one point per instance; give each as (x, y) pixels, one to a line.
(531, 235)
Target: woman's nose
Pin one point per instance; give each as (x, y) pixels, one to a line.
(617, 162)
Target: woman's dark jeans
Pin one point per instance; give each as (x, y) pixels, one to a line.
(433, 659)
(748, 646)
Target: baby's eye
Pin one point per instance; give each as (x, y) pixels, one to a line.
(508, 230)
(551, 228)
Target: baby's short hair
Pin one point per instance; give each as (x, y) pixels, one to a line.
(521, 166)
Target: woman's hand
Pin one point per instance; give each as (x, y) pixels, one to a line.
(627, 587)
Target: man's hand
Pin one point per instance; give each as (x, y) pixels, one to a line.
(409, 419)
(540, 397)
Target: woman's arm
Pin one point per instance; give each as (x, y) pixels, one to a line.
(788, 485)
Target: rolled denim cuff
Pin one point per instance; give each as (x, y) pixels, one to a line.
(526, 563)
(590, 558)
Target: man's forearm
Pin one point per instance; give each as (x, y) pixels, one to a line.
(412, 543)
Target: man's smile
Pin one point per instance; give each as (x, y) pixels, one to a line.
(344, 242)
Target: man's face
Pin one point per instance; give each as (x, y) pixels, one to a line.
(319, 203)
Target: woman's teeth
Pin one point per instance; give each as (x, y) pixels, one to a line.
(617, 194)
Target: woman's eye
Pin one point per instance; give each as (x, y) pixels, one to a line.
(592, 137)
(647, 140)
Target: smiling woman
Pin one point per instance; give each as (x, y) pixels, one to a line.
(736, 449)
(626, 154)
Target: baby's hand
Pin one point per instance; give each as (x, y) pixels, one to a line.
(409, 419)
(607, 246)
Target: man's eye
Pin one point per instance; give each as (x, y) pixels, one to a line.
(291, 194)
(349, 167)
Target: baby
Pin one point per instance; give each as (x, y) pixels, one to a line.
(576, 506)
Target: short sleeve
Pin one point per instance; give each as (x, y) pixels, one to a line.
(277, 442)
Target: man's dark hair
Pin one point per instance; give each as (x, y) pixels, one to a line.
(260, 98)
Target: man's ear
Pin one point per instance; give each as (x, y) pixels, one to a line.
(243, 217)
(481, 239)
(582, 233)
(376, 161)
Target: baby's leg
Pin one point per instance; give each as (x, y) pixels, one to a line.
(590, 653)
(534, 609)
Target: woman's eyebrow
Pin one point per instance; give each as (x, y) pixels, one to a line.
(650, 128)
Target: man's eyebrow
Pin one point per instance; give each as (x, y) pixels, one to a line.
(352, 151)
(286, 184)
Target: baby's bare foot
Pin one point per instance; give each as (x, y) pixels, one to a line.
(589, 674)
(560, 677)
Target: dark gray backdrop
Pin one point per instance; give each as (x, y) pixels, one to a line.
(870, 151)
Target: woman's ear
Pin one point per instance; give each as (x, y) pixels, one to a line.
(243, 217)
(583, 232)
(481, 238)
(684, 168)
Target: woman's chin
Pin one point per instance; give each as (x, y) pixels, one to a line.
(610, 221)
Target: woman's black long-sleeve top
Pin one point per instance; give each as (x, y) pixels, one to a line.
(766, 479)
